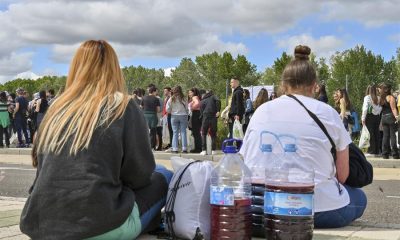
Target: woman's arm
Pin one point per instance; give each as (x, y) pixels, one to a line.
(342, 165)
(342, 108)
(38, 102)
(138, 160)
(364, 109)
(392, 103)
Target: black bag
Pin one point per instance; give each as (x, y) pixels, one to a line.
(388, 119)
(361, 171)
(350, 119)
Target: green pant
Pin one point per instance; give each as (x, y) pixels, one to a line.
(130, 229)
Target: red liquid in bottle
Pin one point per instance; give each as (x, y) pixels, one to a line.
(289, 227)
(231, 222)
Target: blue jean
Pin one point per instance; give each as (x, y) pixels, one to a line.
(20, 124)
(148, 204)
(179, 125)
(343, 216)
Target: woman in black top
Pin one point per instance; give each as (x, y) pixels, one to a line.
(389, 122)
(321, 93)
(41, 108)
(151, 106)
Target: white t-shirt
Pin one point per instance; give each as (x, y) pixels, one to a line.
(286, 116)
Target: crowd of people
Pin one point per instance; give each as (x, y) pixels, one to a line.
(22, 115)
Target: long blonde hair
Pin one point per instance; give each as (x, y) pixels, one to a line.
(95, 95)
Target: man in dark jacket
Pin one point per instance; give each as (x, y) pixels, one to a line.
(210, 106)
(237, 105)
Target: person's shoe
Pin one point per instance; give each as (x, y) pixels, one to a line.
(203, 153)
(396, 156)
(184, 151)
(385, 156)
(20, 146)
(369, 155)
(213, 152)
(175, 152)
(168, 150)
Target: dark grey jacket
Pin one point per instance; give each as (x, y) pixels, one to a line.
(75, 197)
(209, 105)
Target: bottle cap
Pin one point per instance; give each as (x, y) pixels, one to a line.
(290, 148)
(266, 148)
(230, 149)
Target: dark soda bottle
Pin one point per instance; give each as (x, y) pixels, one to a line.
(230, 196)
(289, 198)
(296, 223)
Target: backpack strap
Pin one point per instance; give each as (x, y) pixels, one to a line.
(323, 128)
(170, 204)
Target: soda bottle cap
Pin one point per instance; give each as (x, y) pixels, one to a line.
(230, 149)
(290, 148)
(266, 148)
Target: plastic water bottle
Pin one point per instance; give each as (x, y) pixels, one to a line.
(230, 194)
(258, 181)
(289, 197)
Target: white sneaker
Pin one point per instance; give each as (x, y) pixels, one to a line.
(213, 152)
(203, 153)
(168, 150)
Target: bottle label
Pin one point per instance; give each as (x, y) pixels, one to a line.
(223, 196)
(288, 204)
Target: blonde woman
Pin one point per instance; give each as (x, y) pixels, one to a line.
(96, 177)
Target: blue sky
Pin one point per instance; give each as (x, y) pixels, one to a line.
(39, 37)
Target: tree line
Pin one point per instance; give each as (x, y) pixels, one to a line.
(354, 68)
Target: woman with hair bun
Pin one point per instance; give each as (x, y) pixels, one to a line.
(96, 175)
(335, 204)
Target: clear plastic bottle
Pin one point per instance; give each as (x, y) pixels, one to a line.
(258, 189)
(289, 197)
(230, 195)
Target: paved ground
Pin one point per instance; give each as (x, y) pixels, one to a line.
(381, 220)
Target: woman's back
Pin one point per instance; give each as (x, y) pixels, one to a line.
(89, 191)
(312, 143)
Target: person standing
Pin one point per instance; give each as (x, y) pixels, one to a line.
(261, 98)
(41, 108)
(345, 109)
(321, 93)
(4, 120)
(167, 115)
(210, 107)
(96, 175)
(389, 120)
(371, 118)
(236, 110)
(151, 106)
(178, 107)
(195, 118)
(20, 111)
(248, 109)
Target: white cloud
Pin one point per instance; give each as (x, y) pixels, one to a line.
(15, 63)
(370, 13)
(324, 46)
(28, 75)
(168, 71)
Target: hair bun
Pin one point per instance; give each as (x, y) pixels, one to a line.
(302, 52)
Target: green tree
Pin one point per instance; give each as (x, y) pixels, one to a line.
(186, 75)
(360, 67)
